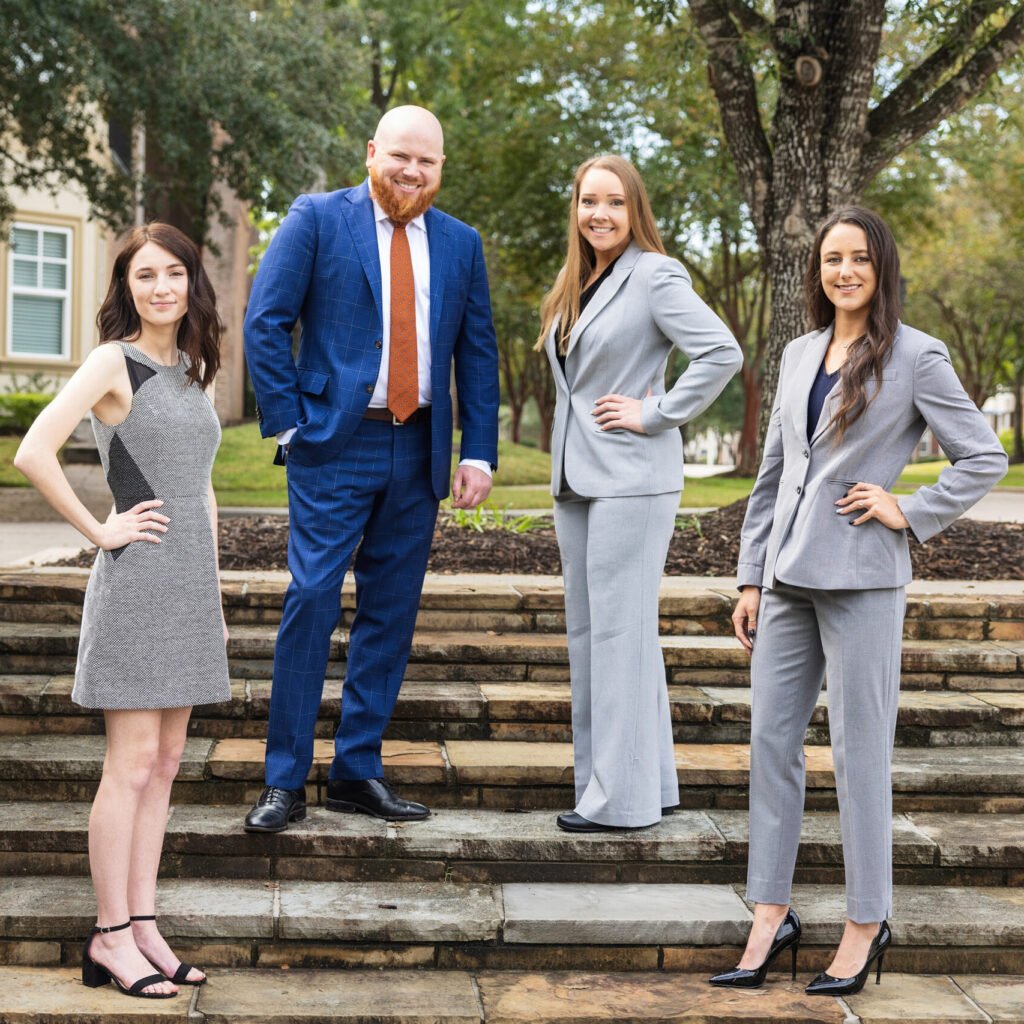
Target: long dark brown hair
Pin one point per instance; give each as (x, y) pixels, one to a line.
(867, 355)
(200, 329)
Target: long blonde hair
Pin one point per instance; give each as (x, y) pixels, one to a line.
(563, 301)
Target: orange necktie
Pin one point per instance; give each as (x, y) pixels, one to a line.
(403, 371)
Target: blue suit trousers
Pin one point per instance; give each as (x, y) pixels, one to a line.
(373, 501)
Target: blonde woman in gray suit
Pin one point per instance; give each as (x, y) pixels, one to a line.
(618, 308)
(823, 568)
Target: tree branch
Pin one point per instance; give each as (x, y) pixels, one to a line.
(748, 19)
(927, 75)
(852, 40)
(732, 80)
(892, 137)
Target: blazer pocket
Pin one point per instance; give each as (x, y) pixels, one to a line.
(312, 382)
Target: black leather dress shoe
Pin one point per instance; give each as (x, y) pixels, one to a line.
(570, 821)
(372, 796)
(275, 808)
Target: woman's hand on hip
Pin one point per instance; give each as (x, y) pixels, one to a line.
(123, 528)
(744, 616)
(869, 501)
(617, 412)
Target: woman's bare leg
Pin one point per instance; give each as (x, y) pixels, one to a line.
(150, 825)
(133, 741)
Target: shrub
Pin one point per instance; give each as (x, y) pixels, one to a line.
(18, 411)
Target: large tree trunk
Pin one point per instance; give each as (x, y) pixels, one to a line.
(747, 450)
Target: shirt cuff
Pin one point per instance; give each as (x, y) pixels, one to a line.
(285, 436)
(484, 467)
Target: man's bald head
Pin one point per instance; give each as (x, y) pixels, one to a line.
(410, 120)
(404, 159)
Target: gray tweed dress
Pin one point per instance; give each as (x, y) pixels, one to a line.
(152, 635)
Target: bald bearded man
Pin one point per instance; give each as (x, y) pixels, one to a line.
(390, 294)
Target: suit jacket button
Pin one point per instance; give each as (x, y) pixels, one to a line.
(807, 454)
(378, 343)
(369, 389)
(799, 489)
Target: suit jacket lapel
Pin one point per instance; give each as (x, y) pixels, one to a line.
(832, 397)
(806, 371)
(359, 214)
(437, 244)
(551, 351)
(623, 268)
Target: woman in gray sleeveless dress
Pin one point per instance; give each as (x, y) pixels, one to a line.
(153, 634)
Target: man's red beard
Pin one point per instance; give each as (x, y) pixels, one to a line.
(400, 210)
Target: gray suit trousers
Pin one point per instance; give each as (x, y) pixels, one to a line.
(855, 638)
(613, 556)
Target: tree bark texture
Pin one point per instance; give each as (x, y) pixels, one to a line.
(823, 145)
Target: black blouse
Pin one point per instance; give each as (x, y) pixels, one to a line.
(585, 297)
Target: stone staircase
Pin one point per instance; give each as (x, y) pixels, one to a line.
(487, 912)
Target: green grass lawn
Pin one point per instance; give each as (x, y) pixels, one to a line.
(9, 476)
(244, 475)
(920, 473)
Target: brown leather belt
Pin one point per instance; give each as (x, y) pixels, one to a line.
(386, 416)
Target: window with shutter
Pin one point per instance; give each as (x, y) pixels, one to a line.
(39, 291)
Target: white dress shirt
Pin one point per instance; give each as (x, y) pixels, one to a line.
(416, 232)
(419, 250)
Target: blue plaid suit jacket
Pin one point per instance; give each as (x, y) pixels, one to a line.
(322, 268)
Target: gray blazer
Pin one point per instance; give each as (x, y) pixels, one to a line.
(792, 533)
(620, 345)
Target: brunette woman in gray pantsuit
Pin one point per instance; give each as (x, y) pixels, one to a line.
(823, 568)
(609, 324)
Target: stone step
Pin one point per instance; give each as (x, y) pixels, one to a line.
(41, 704)
(273, 996)
(688, 605)
(531, 776)
(49, 648)
(474, 846)
(513, 926)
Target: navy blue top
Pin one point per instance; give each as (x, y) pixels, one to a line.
(823, 384)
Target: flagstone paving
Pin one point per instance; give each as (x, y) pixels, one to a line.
(55, 996)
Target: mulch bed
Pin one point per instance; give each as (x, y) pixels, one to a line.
(702, 546)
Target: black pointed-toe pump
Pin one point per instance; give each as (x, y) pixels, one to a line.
(787, 937)
(825, 985)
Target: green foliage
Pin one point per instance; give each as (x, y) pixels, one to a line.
(481, 520)
(18, 411)
(37, 382)
(9, 476)
(250, 94)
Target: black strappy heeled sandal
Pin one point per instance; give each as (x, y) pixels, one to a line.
(95, 975)
(181, 974)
